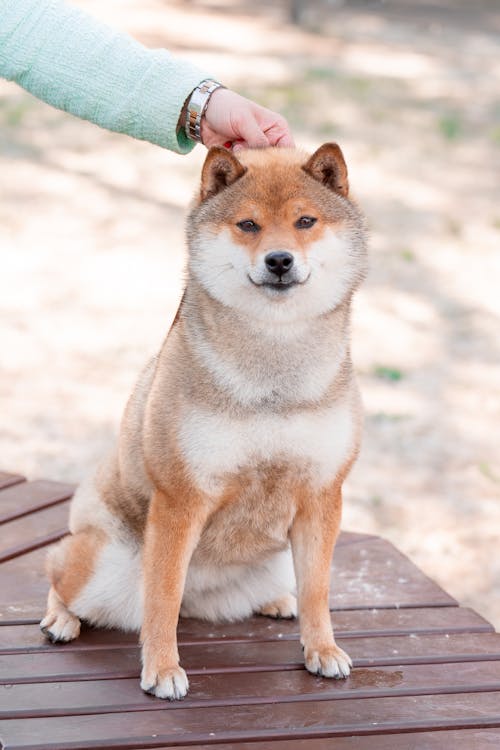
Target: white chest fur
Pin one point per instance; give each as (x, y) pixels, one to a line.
(215, 445)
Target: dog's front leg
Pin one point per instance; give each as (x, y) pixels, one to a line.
(172, 532)
(313, 535)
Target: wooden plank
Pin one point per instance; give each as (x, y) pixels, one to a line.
(114, 696)
(7, 480)
(353, 537)
(42, 541)
(146, 729)
(113, 663)
(22, 499)
(351, 623)
(463, 739)
(354, 623)
(33, 531)
(24, 587)
(376, 574)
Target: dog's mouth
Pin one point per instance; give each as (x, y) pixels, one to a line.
(281, 285)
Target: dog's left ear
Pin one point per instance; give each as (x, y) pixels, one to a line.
(327, 165)
(221, 169)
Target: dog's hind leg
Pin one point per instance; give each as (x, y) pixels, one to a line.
(59, 624)
(281, 603)
(283, 608)
(69, 565)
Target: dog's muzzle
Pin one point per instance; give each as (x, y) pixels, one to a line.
(279, 271)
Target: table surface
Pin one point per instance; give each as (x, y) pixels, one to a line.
(426, 671)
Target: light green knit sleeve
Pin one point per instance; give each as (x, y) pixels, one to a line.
(67, 58)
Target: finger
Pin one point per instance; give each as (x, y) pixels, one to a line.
(250, 131)
(240, 145)
(285, 140)
(278, 134)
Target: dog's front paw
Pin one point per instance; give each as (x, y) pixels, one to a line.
(165, 683)
(329, 661)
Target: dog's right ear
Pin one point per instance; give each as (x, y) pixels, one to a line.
(221, 169)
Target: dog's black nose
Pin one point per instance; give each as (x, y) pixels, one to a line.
(278, 262)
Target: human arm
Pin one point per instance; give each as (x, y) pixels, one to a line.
(70, 60)
(76, 63)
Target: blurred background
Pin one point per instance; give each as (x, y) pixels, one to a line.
(92, 252)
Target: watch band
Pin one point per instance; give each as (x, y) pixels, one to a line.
(197, 105)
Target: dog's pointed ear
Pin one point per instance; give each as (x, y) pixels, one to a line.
(221, 169)
(327, 165)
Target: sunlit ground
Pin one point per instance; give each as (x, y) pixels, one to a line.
(92, 254)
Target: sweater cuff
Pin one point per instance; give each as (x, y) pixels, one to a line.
(164, 96)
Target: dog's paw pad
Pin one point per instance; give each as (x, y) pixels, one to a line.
(331, 661)
(284, 608)
(171, 684)
(61, 628)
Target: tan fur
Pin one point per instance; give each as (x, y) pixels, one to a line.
(71, 563)
(178, 493)
(69, 566)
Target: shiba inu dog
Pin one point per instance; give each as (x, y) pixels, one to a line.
(237, 438)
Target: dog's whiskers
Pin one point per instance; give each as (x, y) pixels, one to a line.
(223, 269)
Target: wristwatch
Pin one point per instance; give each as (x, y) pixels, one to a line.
(197, 105)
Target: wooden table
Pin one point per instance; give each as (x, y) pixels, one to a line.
(427, 672)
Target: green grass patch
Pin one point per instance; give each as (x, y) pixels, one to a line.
(359, 85)
(12, 113)
(320, 74)
(383, 416)
(450, 126)
(407, 255)
(388, 373)
(487, 472)
(495, 135)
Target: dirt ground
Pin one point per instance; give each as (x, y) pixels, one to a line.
(92, 254)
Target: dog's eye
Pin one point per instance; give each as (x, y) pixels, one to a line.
(247, 225)
(305, 222)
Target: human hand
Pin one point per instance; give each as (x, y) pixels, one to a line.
(231, 117)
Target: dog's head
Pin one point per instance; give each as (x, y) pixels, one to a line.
(273, 233)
